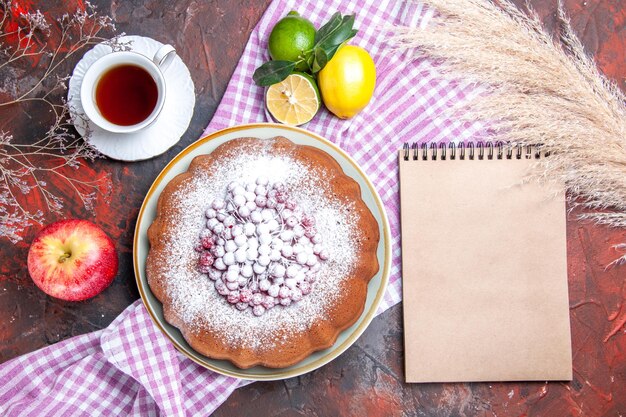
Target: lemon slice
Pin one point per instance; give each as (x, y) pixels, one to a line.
(293, 101)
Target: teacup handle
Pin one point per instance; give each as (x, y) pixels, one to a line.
(164, 57)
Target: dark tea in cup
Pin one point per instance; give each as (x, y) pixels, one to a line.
(126, 94)
(124, 91)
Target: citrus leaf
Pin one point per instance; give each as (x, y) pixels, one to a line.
(309, 60)
(341, 33)
(330, 52)
(320, 60)
(273, 72)
(335, 34)
(328, 27)
(308, 57)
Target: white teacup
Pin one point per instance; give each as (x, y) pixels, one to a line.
(154, 67)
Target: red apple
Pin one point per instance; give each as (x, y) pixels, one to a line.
(72, 260)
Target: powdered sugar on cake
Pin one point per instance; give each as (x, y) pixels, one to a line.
(193, 294)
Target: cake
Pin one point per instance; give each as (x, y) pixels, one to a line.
(261, 252)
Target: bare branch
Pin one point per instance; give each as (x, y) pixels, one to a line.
(27, 169)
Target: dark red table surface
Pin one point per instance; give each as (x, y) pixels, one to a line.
(368, 378)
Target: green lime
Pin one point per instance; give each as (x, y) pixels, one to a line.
(290, 38)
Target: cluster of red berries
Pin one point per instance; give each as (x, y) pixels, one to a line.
(259, 247)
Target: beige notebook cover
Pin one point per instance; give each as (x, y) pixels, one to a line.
(484, 272)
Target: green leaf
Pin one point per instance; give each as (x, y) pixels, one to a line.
(328, 27)
(308, 57)
(273, 72)
(330, 52)
(336, 34)
(309, 60)
(320, 60)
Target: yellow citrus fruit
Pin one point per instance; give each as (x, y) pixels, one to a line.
(347, 82)
(293, 101)
(290, 38)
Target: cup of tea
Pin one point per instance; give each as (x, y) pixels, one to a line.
(124, 91)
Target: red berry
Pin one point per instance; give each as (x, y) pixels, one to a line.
(208, 241)
(214, 274)
(308, 221)
(245, 295)
(284, 292)
(257, 299)
(296, 294)
(268, 302)
(233, 297)
(260, 201)
(206, 259)
(205, 269)
(258, 310)
(217, 251)
(290, 204)
(221, 288)
(305, 287)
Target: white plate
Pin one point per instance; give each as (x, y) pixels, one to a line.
(207, 144)
(163, 133)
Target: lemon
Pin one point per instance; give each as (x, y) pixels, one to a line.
(293, 101)
(290, 38)
(347, 82)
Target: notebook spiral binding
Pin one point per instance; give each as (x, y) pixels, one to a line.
(480, 150)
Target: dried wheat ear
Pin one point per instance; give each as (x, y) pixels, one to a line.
(538, 92)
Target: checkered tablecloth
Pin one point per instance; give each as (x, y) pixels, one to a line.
(130, 368)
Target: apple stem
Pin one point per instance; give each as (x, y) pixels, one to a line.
(64, 257)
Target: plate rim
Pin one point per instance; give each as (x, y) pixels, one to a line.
(369, 314)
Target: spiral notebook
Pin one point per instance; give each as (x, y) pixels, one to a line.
(483, 265)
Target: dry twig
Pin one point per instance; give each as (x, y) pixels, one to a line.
(27, 166)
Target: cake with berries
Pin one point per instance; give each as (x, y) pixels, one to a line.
(261, 252)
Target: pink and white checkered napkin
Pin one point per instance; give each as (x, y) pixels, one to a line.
(130, 368)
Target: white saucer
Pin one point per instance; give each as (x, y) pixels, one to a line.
(161, 135)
